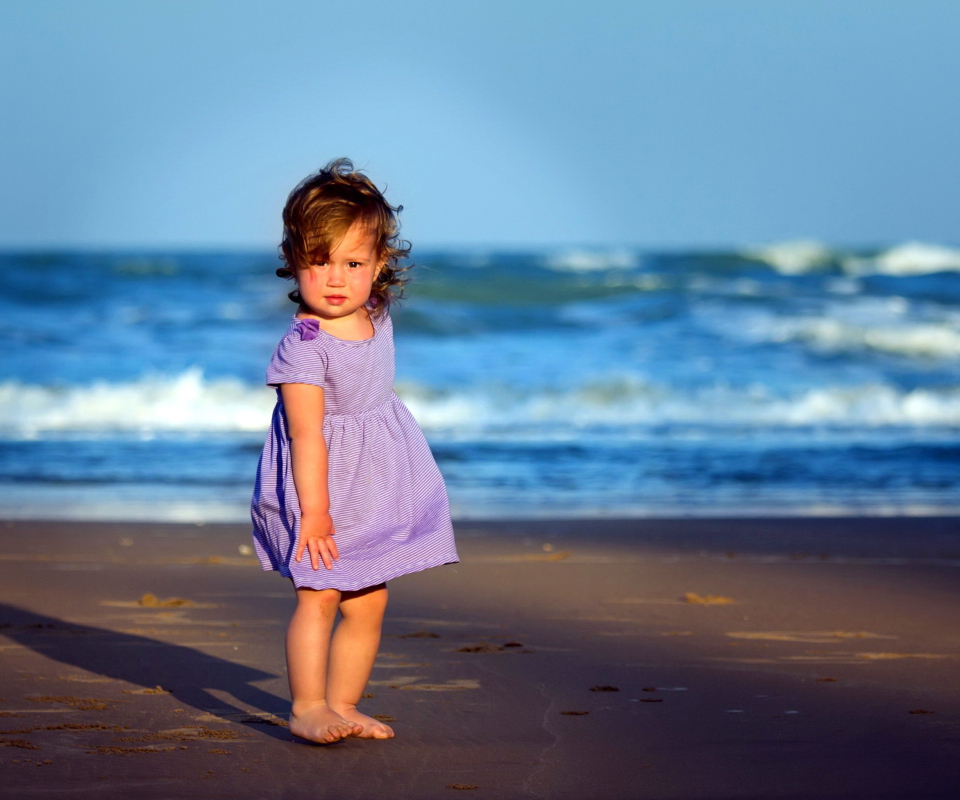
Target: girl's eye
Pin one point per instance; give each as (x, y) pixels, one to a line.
(354, 264)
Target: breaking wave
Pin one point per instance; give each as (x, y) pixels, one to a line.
(796, 257)
(912, 258)
(593, 260)
(186, 403)
(804, 256)
(877, 324)
(189, 404)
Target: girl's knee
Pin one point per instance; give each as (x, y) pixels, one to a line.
(371, 601)
(323, 602)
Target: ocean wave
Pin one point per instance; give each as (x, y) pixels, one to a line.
(909, 259)
(189, 404)
(622, 404)
(804, 256)
(592, 260)
(795, 257)
(927, 340)
(185, 403)
(877, 324)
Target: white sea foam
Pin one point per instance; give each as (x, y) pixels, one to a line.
(892, 325)
(795, 257)
(618, 404)
(924, 340)
(911, 258)
(592, 260)
(188, 404)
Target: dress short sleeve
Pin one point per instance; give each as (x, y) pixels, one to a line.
(297, 360)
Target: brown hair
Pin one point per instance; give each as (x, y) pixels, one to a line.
(321, 209)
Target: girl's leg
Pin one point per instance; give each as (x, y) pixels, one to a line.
(308, 648)
(352, 654)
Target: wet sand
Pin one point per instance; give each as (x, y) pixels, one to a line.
(804, 658)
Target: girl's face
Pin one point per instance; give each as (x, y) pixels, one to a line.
(340, 286)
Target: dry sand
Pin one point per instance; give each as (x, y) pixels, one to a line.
(808, 658)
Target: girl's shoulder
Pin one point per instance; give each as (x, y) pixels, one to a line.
(299, 357)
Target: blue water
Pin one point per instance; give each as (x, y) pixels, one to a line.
(795, 379)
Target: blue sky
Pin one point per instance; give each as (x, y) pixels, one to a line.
(656, 124)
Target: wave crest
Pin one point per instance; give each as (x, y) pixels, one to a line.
(911, 258)
(188, 404)
(795, 257)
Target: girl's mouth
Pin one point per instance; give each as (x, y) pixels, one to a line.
(335, 299)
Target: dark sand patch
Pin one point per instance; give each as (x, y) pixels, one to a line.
(483, 647)
(85, 726)
(187, 733)
(21, 743)
(448, 686)
(150, 600)
(79, 703)
(107, 750)
(264, 719)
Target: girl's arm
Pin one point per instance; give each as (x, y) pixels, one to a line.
(303, 404)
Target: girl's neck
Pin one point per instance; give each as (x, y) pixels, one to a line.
(353, 327)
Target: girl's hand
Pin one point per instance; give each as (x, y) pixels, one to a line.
(316, 536)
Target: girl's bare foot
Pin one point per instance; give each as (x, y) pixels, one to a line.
(371, 728)
(320, 724)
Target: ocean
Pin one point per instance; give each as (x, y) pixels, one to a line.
(789, 379)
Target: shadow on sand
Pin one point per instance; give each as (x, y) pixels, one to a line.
(188, 674)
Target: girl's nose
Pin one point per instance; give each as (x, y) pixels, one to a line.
(336, 275)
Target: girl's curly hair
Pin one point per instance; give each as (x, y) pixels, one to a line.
(321, 209)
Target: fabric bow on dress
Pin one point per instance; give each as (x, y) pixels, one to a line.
(309, 329)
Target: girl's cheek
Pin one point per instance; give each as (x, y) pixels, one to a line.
(306, 277)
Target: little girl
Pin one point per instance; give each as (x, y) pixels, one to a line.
(348, 495)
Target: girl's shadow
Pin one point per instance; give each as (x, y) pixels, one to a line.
(186, 673)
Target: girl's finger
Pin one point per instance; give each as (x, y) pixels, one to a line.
(299, 554)
(325, 553)
(314, 547)
(332, 546)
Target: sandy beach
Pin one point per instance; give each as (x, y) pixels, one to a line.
(760, 658)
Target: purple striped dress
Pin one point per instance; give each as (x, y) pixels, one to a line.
(387, 497)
